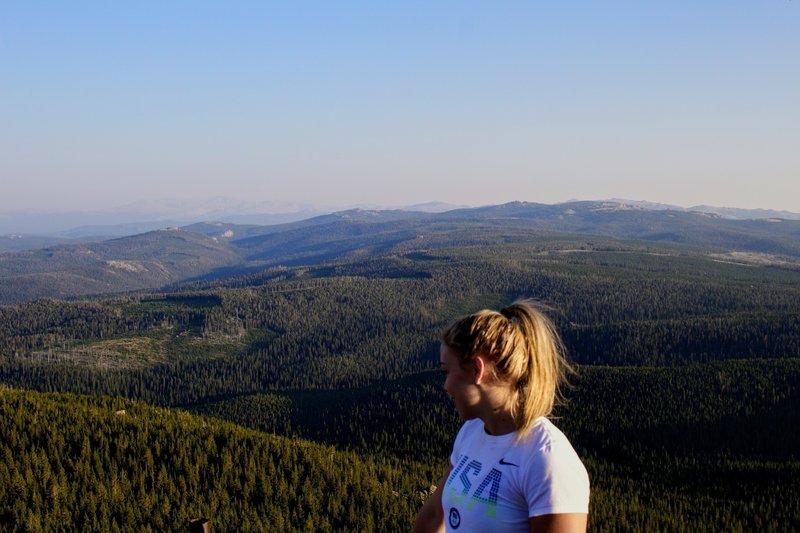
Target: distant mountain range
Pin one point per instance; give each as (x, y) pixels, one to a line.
(158, 258)
(147, 216)
(30, 230)
(725, 212)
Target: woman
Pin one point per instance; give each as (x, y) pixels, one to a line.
(511, 469)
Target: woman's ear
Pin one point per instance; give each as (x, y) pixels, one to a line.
(479, 366)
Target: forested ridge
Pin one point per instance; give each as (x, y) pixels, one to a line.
(684, 365)
(678, 460)
(99, 464)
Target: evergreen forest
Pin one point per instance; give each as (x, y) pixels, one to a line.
(305, 396)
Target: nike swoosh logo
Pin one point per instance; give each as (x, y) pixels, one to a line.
(504, 462)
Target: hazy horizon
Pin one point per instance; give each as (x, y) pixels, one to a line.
(353, 103)
(222, 203)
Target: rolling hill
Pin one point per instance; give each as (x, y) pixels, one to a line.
(147, 261)
(215, 250)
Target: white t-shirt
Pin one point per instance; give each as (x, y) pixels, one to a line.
(496, 485)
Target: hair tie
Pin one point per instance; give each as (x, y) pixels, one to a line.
(511, 318)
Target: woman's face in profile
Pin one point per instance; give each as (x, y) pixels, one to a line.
(459, 382)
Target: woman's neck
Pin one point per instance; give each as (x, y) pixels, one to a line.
(497, 418)
(496, 399)
(499, 425)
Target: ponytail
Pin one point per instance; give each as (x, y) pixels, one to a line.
(526, 351)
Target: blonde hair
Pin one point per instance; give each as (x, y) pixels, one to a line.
(525, 350)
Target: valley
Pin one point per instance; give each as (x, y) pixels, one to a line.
(306, 388)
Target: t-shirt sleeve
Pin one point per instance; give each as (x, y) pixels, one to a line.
(556, 481)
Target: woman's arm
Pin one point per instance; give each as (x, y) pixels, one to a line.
(559, 523)
(430, 517)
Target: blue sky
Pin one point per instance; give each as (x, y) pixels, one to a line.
(341, 103)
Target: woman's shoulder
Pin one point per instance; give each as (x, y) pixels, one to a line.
(475, 424)
(469, 429)
(545, 440)
(552, 475)
(544, 429)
